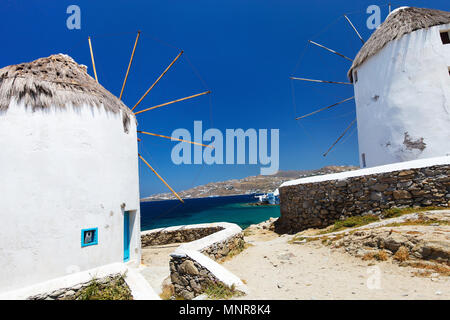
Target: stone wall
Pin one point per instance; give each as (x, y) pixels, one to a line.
(189, 277)
(320, 204)
(72, 293)
(222, 249)
(178, 235)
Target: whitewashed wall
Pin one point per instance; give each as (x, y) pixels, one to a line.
(62, 171)
(410, 77)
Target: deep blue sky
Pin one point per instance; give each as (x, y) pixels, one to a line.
(244, 51)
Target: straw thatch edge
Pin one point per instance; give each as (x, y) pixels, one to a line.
(56, 81)
(400, 22)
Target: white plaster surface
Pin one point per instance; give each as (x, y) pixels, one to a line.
(421, 163)
(405, 88)
(61, 171)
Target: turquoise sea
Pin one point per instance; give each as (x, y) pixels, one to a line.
(234, 209)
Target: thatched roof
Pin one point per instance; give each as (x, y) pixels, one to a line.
(400, 22)
(55, 81)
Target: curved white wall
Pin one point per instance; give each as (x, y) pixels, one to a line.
(405, 88)
(61, 171)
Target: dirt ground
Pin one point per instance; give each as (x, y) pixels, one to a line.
(155, 264)
(275, 269)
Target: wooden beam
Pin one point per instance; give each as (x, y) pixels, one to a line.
(160, 178)
(92, 58)
(174, 101)
(171, 138)
(322, 81)
(359, 36)
(157, 80)
(317, 111)
(129, 65)
(332, 146)
(330, 50)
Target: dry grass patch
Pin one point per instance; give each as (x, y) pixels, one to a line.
(220, 291)
(116, 289)
(430, 268)
(234, 252)
(397, 212)
(351, 222)
(167, 292)
(402, 254)
(381, 255)
(419, 222)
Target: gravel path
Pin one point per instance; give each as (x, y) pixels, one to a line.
(275, 269)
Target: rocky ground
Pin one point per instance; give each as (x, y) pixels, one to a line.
(400, 258)
(249, 185)
(388, 260)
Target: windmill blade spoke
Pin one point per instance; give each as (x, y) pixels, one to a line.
(171, 138)
(174, 101)
(326, 108)
(129, 65)
(340, 137)
(351, 24)
(157, 80)
(156, 173)
(92, 58)
(330, 50)
(321, 81)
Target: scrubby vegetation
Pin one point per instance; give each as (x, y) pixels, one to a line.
(116, 289)
(397, 212)
(167, 292)
(351, 222)
(380, 255)
(402, 254)
(419, 222)
(234, 252)
(430, 268)
(218, 290)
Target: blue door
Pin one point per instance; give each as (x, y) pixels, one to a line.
(126, 236)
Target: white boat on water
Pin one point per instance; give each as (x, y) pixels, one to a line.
(270, 198)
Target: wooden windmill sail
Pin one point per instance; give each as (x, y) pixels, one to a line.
(153, 107)
(392, 81)
(331, 82)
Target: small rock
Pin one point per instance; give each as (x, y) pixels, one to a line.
(188, 267)
(69, 293)
(434, 275)
(438, 293)
(279, 285)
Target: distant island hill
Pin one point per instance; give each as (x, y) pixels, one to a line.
(248, 185)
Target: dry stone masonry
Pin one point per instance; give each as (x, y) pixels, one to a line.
(73, 293)
(190, 278)
(320, 204)
(193, 265)
(178, 235)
